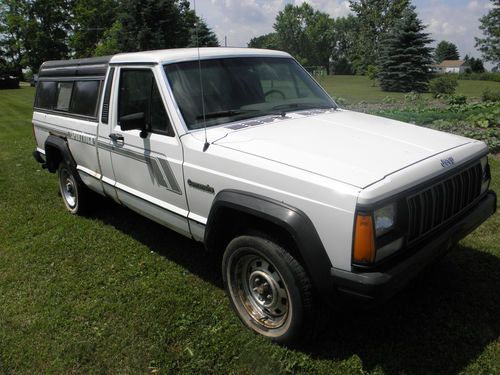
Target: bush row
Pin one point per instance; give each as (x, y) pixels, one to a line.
(487, 76)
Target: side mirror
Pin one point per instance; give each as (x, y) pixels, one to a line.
(134, 121)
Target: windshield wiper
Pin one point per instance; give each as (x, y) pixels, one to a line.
(218, 114)
(299, 106)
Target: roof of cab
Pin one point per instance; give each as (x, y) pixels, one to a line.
(187, 54)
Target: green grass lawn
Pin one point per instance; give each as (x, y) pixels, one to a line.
(115, 293)
(359, 88)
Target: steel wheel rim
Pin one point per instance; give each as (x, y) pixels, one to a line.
(261, 291)
(68, 188)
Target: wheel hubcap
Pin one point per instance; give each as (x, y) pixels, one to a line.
(264, 289)
(68, 189)
(261, 291)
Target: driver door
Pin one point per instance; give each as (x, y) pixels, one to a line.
(147, 166)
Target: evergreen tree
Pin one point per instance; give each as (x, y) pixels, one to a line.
(154, 24)
(490, 44)
(445, 51)
(405, 57)
(201, 35)
(375, 18)
(157, 24)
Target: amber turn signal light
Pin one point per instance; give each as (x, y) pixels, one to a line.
(364, 242)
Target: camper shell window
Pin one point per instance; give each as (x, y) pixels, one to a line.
(71, 87)
(84, 100)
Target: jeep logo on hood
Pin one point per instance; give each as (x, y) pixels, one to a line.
(447, 162)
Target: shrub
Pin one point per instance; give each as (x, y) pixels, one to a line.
(389, 100)
(412, 97)
(490, 96)
(443, 85)
(457, 100)
(371, 72)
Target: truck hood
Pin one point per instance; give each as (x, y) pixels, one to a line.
(350, 147)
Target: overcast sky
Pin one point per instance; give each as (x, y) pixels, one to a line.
(240, 20)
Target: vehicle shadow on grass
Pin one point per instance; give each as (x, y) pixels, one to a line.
(440, 322)
(185, 252)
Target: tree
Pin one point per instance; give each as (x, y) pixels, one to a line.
(375, 18)
(290, 27)
(266, 41)
(405, 57)
(157, 24)
(91, 19)
(109, 43)
(343, 35)
(475, 64)
(445, 51)
(34, 31)
(201, 35)
(154, 24)
(12, 31)
(48, 24)
(490, 26)
(305, 33)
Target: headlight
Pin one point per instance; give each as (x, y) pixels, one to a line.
(385, 218)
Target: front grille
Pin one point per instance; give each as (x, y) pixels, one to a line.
(435, 205)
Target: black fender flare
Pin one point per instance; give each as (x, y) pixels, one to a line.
(53, 143)
(294, 221)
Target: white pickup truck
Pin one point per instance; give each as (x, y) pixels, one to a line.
(242, 150)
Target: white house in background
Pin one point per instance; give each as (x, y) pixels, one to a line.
(451, 66)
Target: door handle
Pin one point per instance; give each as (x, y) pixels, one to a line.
(116, 137)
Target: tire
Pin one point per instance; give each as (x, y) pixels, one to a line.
(75, 194)
(269, 290)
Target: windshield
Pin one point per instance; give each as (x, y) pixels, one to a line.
(241, 88)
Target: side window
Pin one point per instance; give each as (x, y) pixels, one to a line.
(84, 99)
(139, 93)
(64, 90)
(46, 94)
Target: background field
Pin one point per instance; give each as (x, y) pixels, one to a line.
(116, 293)
(354, 89)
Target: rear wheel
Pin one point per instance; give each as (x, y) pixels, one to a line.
(268, 288)
(75, 194)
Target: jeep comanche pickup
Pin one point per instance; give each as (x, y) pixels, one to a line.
(242, 150)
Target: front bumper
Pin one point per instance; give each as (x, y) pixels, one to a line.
(371, 286)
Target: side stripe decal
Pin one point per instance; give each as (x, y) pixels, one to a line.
(160, 168)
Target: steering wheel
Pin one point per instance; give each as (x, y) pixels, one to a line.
(274, 91)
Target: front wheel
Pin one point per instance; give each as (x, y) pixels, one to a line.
(268, 288)
(75, 194)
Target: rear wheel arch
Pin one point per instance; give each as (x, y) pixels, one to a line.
(56, 151)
